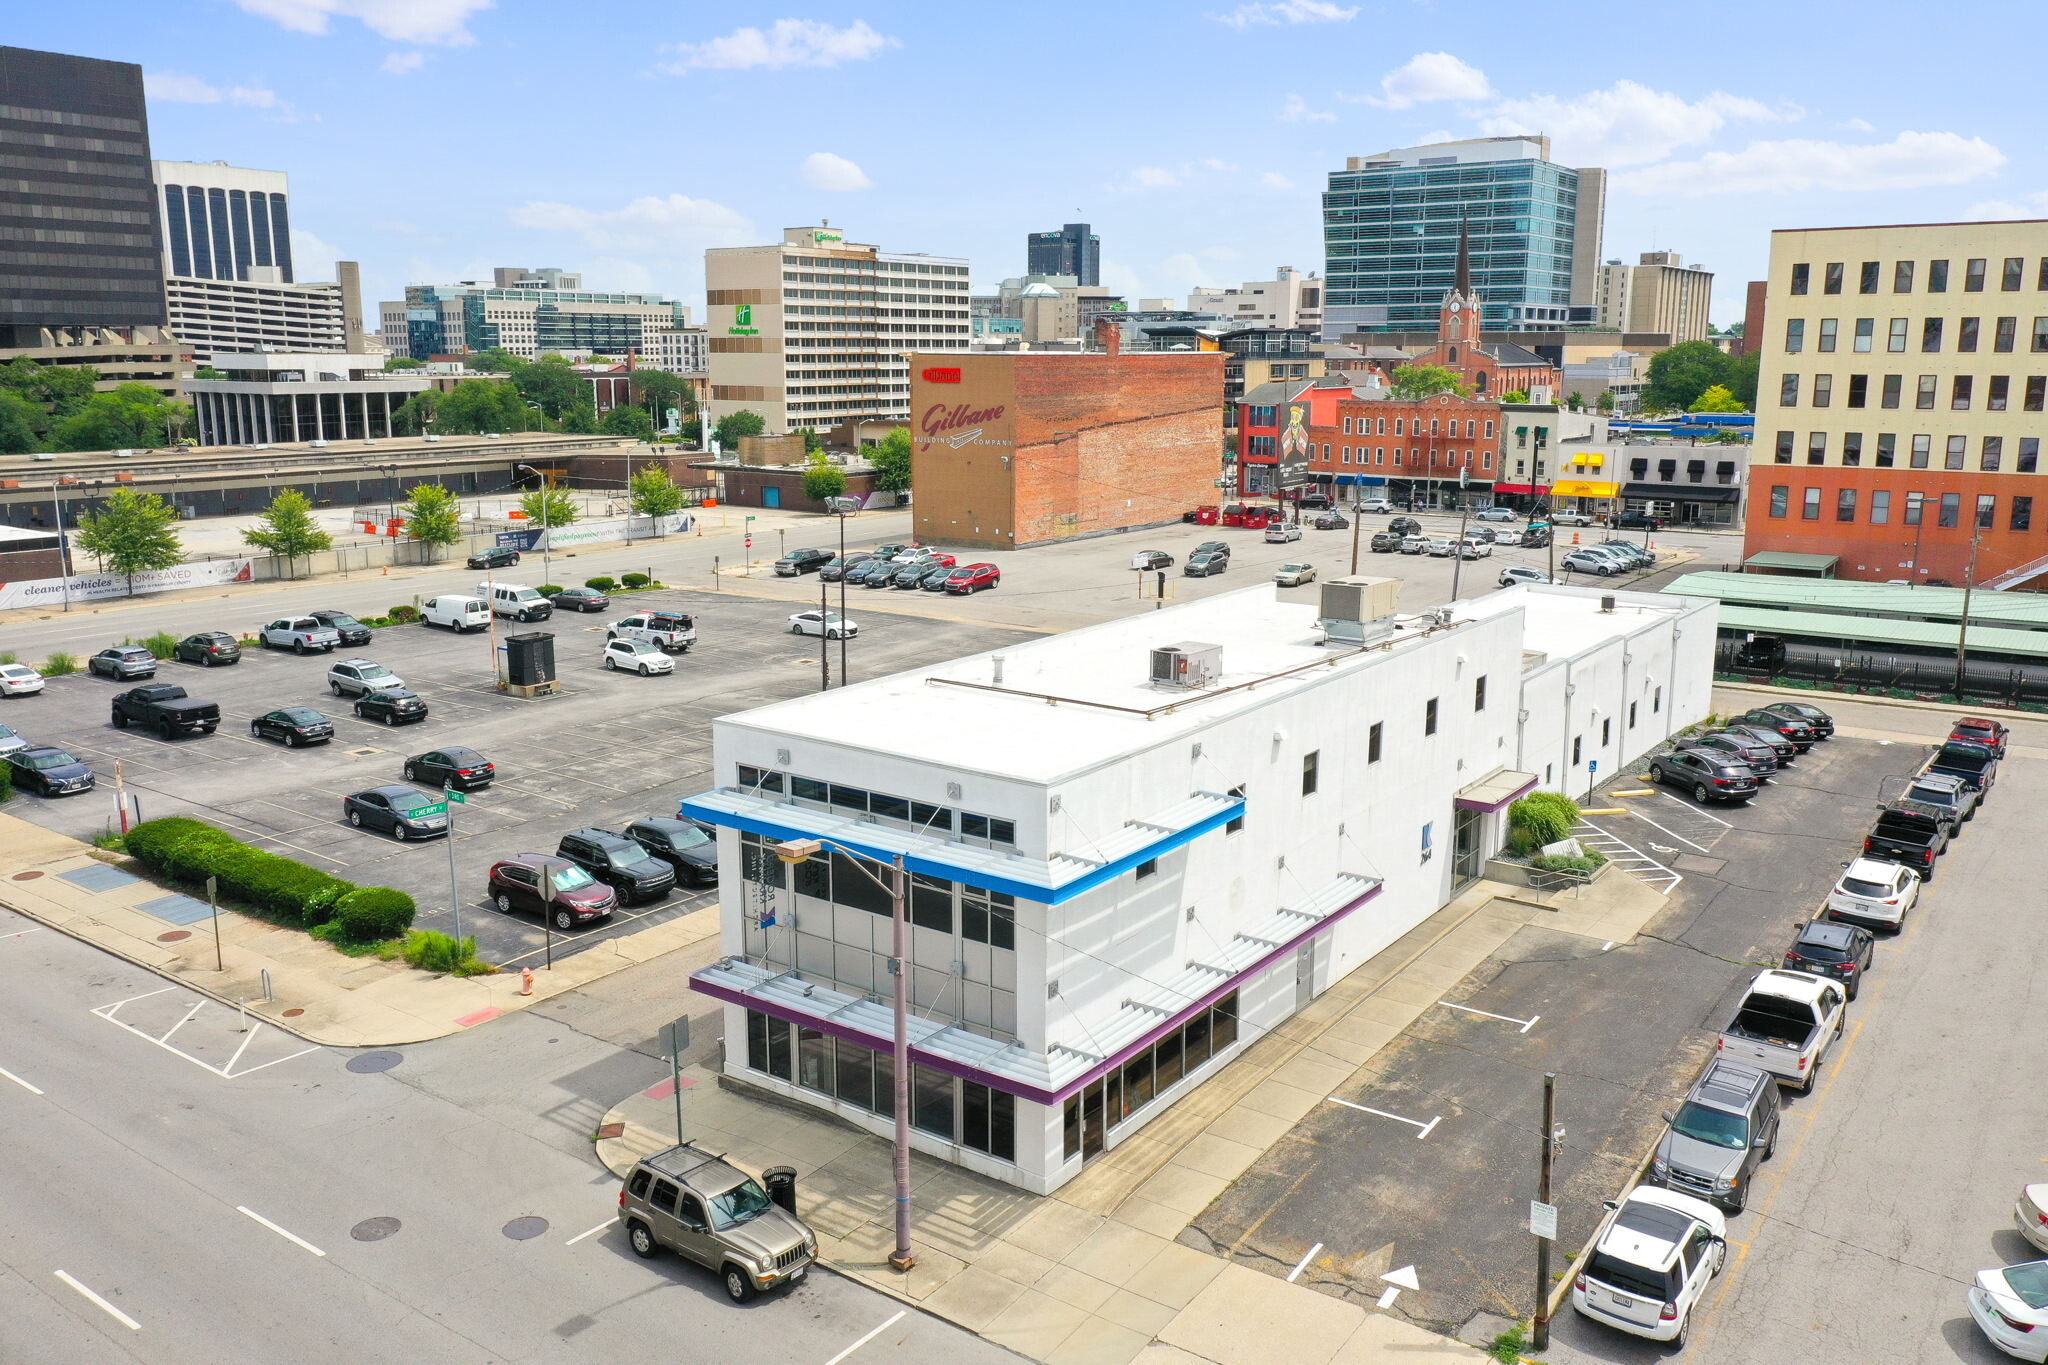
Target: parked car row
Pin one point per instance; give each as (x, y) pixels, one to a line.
(1733, 761)
(892, 566)
(1608, 558)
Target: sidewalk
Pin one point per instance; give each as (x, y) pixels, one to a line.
(319, 994)
(1096, 1274)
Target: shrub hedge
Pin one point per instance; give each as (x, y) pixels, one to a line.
(189, 851)
(432, 951)
(404, 615)
(601, 583)
(548, 589)
(635, 580)
(1540, 818)
(370, 914)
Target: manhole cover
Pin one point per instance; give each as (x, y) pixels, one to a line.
(174, 936)
(365, 753)
(520, 1229)
(375, 1061)
(293, 1013)
(374, 1229)
(26, 876)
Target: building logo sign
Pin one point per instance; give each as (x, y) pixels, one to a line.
(743, 321)
(819, 238)
(960, 425)
(942, 374)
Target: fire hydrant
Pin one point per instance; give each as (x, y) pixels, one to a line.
(526, 981)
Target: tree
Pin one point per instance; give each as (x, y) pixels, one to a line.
(729, 428)
(59, 389)
(580, 418)
(496, 360)
(132, 415)
(19, 421)
(551, 382)
(288, 530)
(1515, 396)
(1575, 400)
(403, 362)
(692, 433)
(1716, 399)
(1606, 400)
(813, 442)
(654, 493)
(891, 458)
(208, 372)
(131, 533)
(661, 390)
(1422, 381)
(1742, 380)
(479, 405)
(431, 517)
(559, 508)
(416, 413)
(821, 480)
(1681, 373)
(625, 421)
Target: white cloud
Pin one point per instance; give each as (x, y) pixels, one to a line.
(179, 88)
(1857, 125)
(824, 171)
(402, 21)
(1169, 177)
(1908, 161)
(1296, 110)
(1428, 77)
(672, 222)
(1154, 177)
(403, 63)
(1287, 12)
(2026, 206)
(1440, 135)
(1273, 180)
(789, 42)
(1627, 124)
(312, 257)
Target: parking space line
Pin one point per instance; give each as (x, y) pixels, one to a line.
(1426, 1128)
(893, 1320)
(288, 1236)
(1526, 1024)
(1302, 1264)
(108, 1308)
(197, 1005)
(19, 1081)
(607, 1223)
(1668, 830)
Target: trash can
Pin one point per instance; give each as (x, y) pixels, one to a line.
(781, 1184)
(530, 658)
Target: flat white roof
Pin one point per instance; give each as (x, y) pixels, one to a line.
(1566, 622)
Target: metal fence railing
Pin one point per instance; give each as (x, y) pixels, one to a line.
(2003, 684)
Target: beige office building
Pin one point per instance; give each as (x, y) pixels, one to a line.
(1659, 294)
(1900, 402)
(811, 332)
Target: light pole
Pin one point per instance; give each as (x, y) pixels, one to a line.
(547, 563)
(795, 851)
(1963, 624)
(840, 508)
(63, 549)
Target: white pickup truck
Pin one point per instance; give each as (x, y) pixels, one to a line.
(673, 631)
(1785, 1025)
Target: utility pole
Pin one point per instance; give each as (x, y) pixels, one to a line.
(1963, 626)
(899, 970)
(1357, 517)
(824, 634)
(63, 548)
(1458, 551)
(1541, 1322)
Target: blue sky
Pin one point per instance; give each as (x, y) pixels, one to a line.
(432, 139)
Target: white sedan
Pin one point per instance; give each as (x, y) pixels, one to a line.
(637, 656)
(2010, 1306)
(1514, 574)
(830, 624)
(1507, 535)
(2030, 1215)
(19, 680)
(1874, 892)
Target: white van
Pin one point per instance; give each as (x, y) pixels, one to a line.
(515, 600)
(458, 612)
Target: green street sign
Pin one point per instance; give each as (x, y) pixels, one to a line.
(432, 808)
(457, 797)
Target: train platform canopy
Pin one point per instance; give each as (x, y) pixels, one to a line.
(1874, 634)
(1786, 562)
(2025, 611)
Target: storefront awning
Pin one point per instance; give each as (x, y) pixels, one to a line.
(1494, 790)
(1584, 488)
(1789, 562)
(1682, 492)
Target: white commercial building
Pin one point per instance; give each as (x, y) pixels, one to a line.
(530, 313)
(272, 396)
(679, 350)
(810, 332)
(1290, 300)
(1135, 848)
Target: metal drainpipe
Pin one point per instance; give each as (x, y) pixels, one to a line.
(1565, 755)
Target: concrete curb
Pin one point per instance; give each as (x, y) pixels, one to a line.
(1905, 704)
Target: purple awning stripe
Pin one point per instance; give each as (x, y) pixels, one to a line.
(1009, 1085)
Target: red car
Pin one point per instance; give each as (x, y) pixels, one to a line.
(572, 896)
(973, 578)
(1982, 730)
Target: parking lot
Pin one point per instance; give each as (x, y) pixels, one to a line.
(610, 748)
(1429, 1156)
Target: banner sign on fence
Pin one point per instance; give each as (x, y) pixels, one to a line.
(100, 587)
(607, 530)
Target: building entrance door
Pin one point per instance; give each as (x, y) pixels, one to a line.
(771, 496)
(1468, 849)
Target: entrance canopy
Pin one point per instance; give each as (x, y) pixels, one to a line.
(1787, 562)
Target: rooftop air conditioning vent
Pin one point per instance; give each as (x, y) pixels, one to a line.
(1189, 664)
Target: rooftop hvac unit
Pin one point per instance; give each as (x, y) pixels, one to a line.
(1189, 664)
(1357, 608)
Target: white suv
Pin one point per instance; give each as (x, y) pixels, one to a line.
(1654, 1256)
(637, 656)
(1874, 892)
(361, 677)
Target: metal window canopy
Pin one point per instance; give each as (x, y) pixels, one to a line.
(1498, 788)
(1155, 1011)
(1057, 879)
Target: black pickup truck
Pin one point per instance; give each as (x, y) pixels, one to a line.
(1911, 837)
(164, 708)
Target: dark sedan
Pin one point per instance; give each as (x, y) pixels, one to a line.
(1709, 777)
(502, 557)
(1785, 750)
(464, 769)
(393, 706)
(49, 772)
(1791, 727)
(1739, 745)
(399, 811)
(682, 844)
(1842, 951)
(1330, 521)
(208, 648)
(351, 631)
(295, 725)
(581, 599)
(1204, 565)
(1823, 724)
(912, 576)
(835, 569)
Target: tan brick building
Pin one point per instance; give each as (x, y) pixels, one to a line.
(1014, 449)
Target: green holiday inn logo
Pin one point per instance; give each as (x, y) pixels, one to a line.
(742, 321)
(819, 238)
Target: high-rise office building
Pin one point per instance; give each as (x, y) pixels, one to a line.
(530, 313)
(1073, 250)
(1657, 295)
(80, 279)
(811, 331)
(228, 271)
(1391, 225)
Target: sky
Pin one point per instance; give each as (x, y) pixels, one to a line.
(433, 139)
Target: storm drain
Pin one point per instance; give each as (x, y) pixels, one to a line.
(374, 1229)
(371, 1062)
(523, 1229)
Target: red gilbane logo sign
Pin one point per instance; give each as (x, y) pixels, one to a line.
(939, 374)
(958, 425)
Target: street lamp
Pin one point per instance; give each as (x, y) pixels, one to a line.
(842, 508)
(794, 851)
(547, 563)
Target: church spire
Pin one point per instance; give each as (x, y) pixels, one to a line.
(1463, 284)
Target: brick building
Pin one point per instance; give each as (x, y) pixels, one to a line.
(1491, 368)
(1013, 449)
(1362, 435)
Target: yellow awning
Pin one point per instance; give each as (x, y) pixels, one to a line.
(1584, 488)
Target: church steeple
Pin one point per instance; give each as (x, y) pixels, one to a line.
(1458, 320)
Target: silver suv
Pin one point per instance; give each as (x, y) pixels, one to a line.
(361, 677)
(1726, 1128)
(713, 1213)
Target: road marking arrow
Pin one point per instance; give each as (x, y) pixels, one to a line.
(1398, 1280)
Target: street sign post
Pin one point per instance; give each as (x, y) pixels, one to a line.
(459, 798)
(213, 908)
